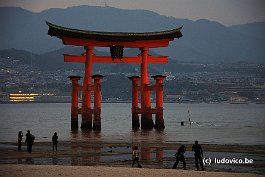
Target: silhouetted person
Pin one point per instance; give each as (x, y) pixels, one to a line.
(54, 141)
(180, 157)
(198, 153)
(29, 140)
(19, 140)
(135, 156)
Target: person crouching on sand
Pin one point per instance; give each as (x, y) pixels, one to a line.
(180, 157)
(135, 156)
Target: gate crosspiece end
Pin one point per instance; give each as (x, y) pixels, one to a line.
(74, 77)
(95, 76)
(159, 77)
(134, 77)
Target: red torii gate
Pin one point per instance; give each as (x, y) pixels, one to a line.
(117, 41)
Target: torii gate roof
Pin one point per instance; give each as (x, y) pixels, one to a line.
(80, 37)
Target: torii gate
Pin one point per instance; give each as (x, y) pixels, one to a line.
(116, 41)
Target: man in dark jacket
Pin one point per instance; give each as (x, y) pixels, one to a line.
(198, 153)
(29, 140)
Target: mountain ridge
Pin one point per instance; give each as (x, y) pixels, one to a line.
(202, 41)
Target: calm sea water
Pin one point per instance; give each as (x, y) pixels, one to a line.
(212, 123)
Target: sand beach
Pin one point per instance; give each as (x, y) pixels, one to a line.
(114, 159)
(84, 171)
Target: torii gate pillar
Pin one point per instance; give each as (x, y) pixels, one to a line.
(135, 107)
(146, 117)
(74, 106)
(86, 92)
(97, 102)
(159, 120)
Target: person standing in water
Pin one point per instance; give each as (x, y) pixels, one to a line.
(19, 140)
(54, 141)
(29, 140)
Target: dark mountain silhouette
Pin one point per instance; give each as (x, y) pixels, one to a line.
(252, 29)
(202, 41)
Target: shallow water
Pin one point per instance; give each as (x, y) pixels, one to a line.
(211, 123)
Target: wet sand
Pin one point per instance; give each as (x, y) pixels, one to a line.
(84, 171)
(97, 156)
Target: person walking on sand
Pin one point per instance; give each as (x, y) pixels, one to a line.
(135, 156)
(19, 140)
(29, 140)
(54, 141)
(198, 154)
(180, 157)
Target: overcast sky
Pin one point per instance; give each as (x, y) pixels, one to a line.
(227, 12)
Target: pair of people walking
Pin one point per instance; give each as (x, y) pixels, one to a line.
(198, 154)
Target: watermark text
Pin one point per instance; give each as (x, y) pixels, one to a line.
(209, 161)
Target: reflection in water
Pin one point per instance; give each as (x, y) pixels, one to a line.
(151, 136)
(54, 160)
(159, 154)
(29, 160)
(151, 155)
(82, 151)
(155, 138)
(145, 153)
(88, 148)
(85, 135)
(19, 161)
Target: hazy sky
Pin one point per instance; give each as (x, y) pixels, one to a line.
(227, 12)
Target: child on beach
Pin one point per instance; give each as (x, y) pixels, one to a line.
(180, 157)
(135, 156)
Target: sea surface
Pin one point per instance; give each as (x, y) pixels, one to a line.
(210, 123)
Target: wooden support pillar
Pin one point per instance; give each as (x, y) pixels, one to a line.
(146, 118)
(86, 92)
(135, 116)
(74, 105)
(97, 102)
(159, 120)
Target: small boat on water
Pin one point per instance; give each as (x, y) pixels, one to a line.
(260, 100)
(238, 100)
